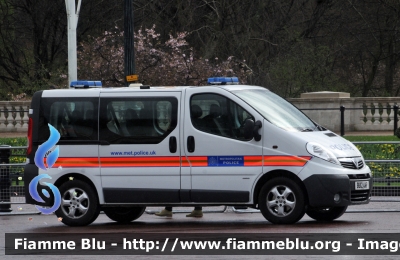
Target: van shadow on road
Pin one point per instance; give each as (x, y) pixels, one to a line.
(220, 226)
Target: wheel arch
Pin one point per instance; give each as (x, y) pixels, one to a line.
(274, 174)
(76, 176)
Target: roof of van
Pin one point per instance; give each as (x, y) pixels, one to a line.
(92, 92)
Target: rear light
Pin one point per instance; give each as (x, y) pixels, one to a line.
(30, 127)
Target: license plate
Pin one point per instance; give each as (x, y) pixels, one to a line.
(362, 185)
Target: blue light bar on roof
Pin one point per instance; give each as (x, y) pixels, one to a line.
(85, 84)
(223, 81)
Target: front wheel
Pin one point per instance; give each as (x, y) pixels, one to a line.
(124, 214)
(326, 214)
(79, 204)
(281, 201)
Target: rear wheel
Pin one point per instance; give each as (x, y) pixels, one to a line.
(124, 214)
(326, 214)
(281, 201)
(79, 204)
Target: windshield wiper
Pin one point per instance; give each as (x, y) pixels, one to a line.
(317, 127)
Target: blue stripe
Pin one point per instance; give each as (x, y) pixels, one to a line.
(225, 161)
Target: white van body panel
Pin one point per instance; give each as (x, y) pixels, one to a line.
(189, 162)
(87, 155)
(229, 171)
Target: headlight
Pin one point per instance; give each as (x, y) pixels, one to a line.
(319, 151)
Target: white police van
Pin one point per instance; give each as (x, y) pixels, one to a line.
(122, 149)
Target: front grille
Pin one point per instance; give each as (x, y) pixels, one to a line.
(359, 196)
(352, 163)
(359, 176)
(349, 165)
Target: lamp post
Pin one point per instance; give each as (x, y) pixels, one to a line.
(72, 16)
(129, 51)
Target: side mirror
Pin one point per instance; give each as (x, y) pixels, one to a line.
(248, 129)
(251, 129)
(257, 126)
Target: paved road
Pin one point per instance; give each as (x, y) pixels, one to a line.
(377, 217)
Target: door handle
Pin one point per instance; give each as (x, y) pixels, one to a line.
(172, 144)
(190, 144)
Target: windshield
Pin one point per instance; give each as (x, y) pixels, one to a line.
(276, 110)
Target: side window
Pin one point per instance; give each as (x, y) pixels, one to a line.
(218, 115)
(137, 121)
(74, 118)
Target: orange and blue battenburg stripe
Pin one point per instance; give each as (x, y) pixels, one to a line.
(153, 161)
(183, 161)
(156, 161)
(215, 161)
(299, 161)
(66, 162)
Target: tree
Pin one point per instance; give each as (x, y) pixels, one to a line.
(261, 32)
(290, 46)
(364, 38)
(30, 36)
(158, 63)
(33, 40)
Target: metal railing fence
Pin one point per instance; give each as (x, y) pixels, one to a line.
(383, 158)
(12, 162)
(342, 110)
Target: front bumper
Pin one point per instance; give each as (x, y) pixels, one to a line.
(322, 188)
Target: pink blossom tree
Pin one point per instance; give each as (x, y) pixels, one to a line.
(172, 62)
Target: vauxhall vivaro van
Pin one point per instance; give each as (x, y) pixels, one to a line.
(123, 149)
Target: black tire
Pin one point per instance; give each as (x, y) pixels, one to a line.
(282, 201)
(124, 214)
(326, 214)
(79, 204)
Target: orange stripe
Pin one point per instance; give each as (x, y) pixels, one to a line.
(76, 162)
(299, 161)
(253, 161)
(185, 162)
(164, 161)
(198, 161)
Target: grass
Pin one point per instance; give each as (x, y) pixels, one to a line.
(13, 141)
(385, 184)
(17, 156)
(380, 152)
(387, 138)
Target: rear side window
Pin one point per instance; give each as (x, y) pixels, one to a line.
(137, 121)
(74, 118)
